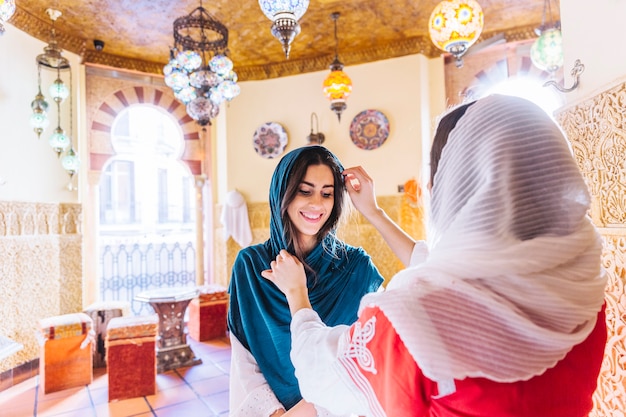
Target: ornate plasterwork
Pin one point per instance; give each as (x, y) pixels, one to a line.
(40, 272)
(596, 129)
(610, 396)
(25, 219)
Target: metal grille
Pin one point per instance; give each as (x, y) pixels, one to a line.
(128, 268)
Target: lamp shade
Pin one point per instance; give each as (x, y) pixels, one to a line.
(199, 72)
(547, 51)
(337, 86)
(59, 141)
(59, 91)
(39, 121)
(273, 8)
(455, 25)
(70, 162)
(7, 8)
(284, 15)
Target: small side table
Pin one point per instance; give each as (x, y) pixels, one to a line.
(170, 305)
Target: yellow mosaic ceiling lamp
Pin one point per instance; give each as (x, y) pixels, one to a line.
(455, 25)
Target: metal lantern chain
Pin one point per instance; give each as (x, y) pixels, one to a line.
(52, 59)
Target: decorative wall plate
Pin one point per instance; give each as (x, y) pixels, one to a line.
(369, 129)
(270, 139)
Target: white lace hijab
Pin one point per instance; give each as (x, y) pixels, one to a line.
(513, 280)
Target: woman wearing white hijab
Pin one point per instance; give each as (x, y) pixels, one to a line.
(504, 316)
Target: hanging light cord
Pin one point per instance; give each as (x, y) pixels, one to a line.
(547, 11)
(335, 16)
(58, 101)
(71, 112)
(39, 78)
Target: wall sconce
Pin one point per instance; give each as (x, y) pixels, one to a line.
(315, 138)
(575, 73)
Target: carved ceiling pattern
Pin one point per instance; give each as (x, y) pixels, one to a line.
(138, 34)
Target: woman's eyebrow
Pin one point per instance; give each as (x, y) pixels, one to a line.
(310, 184)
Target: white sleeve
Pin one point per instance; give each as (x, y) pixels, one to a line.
(314, 353)
(250, 394)
(419, 254)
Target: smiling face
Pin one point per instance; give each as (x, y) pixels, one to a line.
(312, 205)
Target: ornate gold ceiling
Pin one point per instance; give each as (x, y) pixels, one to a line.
(138, 33)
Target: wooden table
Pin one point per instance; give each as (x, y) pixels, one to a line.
(170, 305)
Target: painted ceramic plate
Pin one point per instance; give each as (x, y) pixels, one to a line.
(369, 129)
(270, 139)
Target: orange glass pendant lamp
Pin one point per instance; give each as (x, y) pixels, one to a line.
(337, 86)
(455, 25)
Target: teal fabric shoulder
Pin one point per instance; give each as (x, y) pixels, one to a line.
(259, 315)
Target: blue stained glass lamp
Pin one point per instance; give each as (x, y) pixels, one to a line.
(284, 15)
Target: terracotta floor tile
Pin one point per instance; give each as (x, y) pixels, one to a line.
(195, 407)
(124, 408)
(53, 405)
(210, 386)
(168, 380)
(199, 372)
(171, 396)
(99, 395)
(200, 390)
(218, 403)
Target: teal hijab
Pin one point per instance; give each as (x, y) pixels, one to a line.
(258, 313)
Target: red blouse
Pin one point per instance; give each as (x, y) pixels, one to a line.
(400, 389)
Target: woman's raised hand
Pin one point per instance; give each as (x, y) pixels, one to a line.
(360, 187)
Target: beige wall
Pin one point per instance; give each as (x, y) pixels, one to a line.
(408, 90)
(29, 169)
(593, 32)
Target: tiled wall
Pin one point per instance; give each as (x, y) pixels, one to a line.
(40, 274)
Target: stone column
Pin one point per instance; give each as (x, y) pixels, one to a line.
(199, 182)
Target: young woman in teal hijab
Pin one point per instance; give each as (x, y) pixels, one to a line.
(307, 195)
